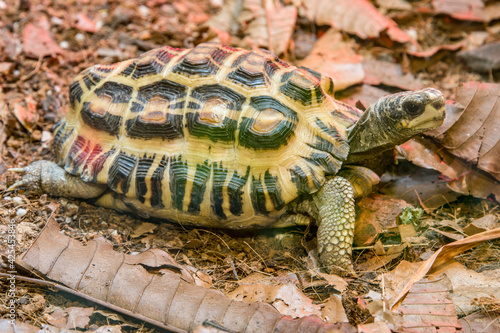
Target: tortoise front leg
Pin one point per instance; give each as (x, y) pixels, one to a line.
(47, 177)
(333, 205)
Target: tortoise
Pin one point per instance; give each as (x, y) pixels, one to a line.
(224, 137)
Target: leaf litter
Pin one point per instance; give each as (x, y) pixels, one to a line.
(370, 51)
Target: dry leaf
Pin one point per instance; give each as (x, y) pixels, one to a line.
(469, 10)
(22, 327)
(390, 74)
(472, 133)
(287, 299)
(263, 17)
(162, 297)
(479, 322)
(363, 96)
(38, 42)
(467, 285)
(418, 186)
(484, 223)
(83, 22)
(144, 228)
(27, 116)
(444, 255)
(359, 17)
(333, 311)
(376, 213)
(72, 317)
(428, 306)
(334, 57)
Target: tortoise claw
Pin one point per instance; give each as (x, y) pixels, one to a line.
(31, 178)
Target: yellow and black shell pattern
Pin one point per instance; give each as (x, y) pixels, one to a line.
(214, 135)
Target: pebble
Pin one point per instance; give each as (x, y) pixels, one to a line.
(71, 209)
(79, 37)
(7, 198)
(17, 200)
(64, 44)
(21, 212)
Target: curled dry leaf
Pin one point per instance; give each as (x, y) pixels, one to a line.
(414, 51)
(472, 133)
(442, 256)
(469, 10)
(359, 17)
(164, 298)
(334, 57)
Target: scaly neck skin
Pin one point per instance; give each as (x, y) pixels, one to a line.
(371, 135)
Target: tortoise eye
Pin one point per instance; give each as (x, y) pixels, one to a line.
(413, 107)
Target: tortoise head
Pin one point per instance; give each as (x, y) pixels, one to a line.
(396, 118)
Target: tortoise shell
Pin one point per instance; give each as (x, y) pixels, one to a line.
(213, 135)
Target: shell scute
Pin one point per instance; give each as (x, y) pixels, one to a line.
(213, 135)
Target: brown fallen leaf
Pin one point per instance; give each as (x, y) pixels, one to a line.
(466, 286)
(38, 42)
(163, 297)
(365, 21)
(390, 74)
(428, 306)
(83, 22)
(442, 256)
(418, 186)
(268, 24)
(469, 10)
(287, 299)
(333, 311)
(414, 51)
(471, 132)
(479, 322)
(484, 223)
(334, 57)
(22, 327)
(26, 115)
(363, 96)
(144, 228)
(376, 213)
(70, 318)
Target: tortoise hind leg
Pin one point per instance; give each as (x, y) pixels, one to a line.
(334, 208)
(47, 177)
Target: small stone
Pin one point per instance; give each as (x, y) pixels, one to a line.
(21, 212)
(7, 198)
(17, 200)
(64, 44)
(71, 209)
(79, 37)
(68, 220)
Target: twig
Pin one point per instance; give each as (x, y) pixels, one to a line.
(34, 71)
